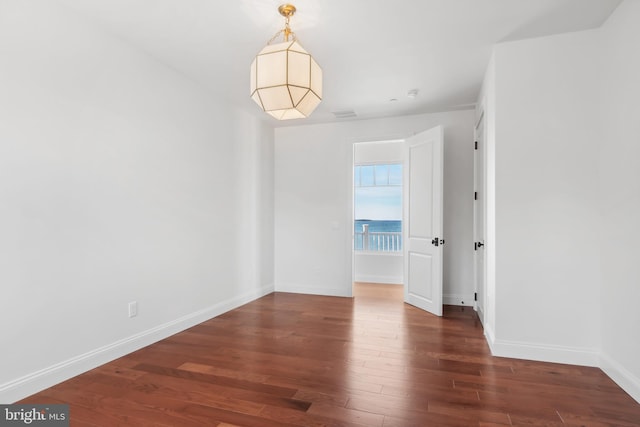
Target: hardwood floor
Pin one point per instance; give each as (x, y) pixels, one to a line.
(300, 360)
(376, 290)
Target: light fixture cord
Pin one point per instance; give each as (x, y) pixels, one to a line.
(286, 31)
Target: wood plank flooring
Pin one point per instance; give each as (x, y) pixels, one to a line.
(300, 360)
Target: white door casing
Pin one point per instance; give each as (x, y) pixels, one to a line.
(423, 217)
(478, 218)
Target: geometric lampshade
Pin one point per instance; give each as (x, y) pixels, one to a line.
(286, 81)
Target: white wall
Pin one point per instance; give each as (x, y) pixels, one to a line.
(619, 166)
(377, 152)
(313, 199)
(562, 140)
(253, 190)
(378, 267)
(546, 206)
(119, 181)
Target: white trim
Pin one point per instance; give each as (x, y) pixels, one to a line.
(480, 311)
(351, 203)
(36, 381)
(371, 278)
(490, 336)
(480, 305)
(381, 140)
(380, 253)
(310, 290)
(458, 299)
(350, 237)
(543, 352)
(380, 162)
(570, 355)
(621, 376)
(480, 117)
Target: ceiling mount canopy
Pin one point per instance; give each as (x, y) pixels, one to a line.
(286, 82)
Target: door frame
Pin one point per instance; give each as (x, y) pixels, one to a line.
(352, 210)
(480, 156)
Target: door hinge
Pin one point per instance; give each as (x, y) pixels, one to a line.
(475, 195)
(476, 145)
(475, 296)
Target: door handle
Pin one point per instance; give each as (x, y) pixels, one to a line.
(480, 244)
(437, 241)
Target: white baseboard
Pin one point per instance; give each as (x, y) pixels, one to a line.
(367, 278)
(621, 376)
(480, 312)
(574, 356)
(36, 381)
(543, 352)
(490, 336)
(347, 291)
(458, 299)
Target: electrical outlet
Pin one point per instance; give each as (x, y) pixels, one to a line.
(133, 309)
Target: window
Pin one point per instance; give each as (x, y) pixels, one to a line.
(378, 175)
(378, 207)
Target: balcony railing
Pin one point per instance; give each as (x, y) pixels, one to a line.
(378, 241)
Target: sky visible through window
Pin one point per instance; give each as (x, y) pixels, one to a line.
(378, 192)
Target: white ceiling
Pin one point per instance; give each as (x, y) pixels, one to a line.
(370, 50)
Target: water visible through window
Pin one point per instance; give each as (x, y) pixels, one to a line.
(378, 207)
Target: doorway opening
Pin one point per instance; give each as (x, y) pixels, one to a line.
(421, 157)
(377, 220)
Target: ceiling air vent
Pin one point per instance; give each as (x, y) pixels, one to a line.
(345, 114)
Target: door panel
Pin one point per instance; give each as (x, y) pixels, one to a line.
(421, 269)
(423, 220)
(421, 181)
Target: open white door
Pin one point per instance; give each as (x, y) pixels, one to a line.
(423, 173)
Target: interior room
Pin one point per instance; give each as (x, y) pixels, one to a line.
(147, 186)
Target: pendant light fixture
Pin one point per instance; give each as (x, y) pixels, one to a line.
(286, 82)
